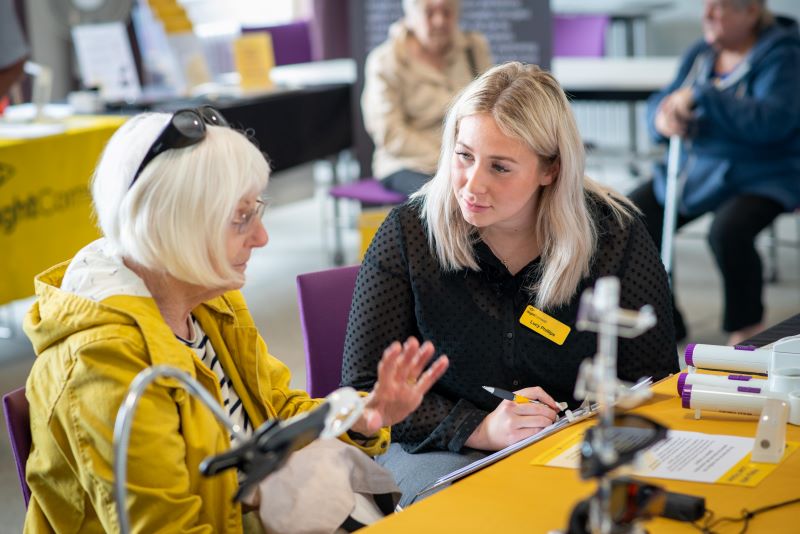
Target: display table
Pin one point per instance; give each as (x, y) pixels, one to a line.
(515, 496)
(619, 79)
(45, 209)
(45, 206)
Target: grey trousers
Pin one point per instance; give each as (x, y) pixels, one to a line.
(414, 472)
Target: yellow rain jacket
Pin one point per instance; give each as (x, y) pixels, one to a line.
(88, 352)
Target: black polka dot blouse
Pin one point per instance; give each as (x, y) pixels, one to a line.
(473, 317)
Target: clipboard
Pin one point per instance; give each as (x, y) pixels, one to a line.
(585, 411)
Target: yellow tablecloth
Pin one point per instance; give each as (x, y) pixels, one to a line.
(515, 496)
(45, 208)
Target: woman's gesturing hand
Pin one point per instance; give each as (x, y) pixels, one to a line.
(401, 384)
(511, 421)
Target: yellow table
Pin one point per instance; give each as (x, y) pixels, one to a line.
(45, 207)
(514, 496)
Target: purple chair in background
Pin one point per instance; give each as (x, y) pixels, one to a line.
(324, 298)
(369, 192)
(580, 35)
(584, 36)
(18, 423)
(291, 42)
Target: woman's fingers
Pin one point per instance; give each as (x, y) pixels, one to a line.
(401, 381)
(373, 421)
(420, 356)
(537, 393)
(433, 373)
(389, 364)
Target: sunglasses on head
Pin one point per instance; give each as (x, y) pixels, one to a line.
(187, 127)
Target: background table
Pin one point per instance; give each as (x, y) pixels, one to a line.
(45, 208)
(292, 126)
(607, 78)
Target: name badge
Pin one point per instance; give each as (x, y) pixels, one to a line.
(544, 325)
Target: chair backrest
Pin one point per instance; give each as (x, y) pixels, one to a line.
(368, 191)
(580, 35)
(324, 298)
(291, 42)
(18, 422)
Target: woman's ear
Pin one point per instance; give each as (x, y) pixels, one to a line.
(551, 172)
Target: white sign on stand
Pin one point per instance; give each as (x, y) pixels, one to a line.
(105, 60)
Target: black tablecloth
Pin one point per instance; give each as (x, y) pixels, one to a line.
(291, 126)
(788, 327)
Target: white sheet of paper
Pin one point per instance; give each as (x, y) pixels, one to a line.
(691, 456)
(105, 60)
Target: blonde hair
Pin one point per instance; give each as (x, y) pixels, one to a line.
(527, 104)
(175, 218)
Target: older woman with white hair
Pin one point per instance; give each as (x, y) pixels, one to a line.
(488, 261)
(409, 81)
(179, 201)
(734, 102)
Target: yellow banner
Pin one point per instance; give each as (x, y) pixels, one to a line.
(45, 206)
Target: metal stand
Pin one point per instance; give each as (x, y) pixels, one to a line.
(671, 200)
(599, 311)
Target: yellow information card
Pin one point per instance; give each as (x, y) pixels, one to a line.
(254, 58)
(690, 456)
(543, 324)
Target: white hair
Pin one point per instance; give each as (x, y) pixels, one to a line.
(765, 16)
(410, 6)
(527, 104)
(176, 216)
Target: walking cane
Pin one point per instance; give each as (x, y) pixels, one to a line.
(671, 198)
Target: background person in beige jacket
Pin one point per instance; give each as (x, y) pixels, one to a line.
(410, 80)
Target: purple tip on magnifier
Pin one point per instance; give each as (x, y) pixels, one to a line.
(686, 397)
(681, 382)
(688, 356)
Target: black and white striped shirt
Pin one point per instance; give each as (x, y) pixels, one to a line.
(201, 346)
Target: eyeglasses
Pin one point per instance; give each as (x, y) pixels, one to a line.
(245, 220)
(630, 434)
(187, 127)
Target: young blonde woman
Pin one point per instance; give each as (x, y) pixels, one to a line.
(488, 261)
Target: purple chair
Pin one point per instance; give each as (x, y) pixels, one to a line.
(18, 423)
(580, 35)
(291, 42)
(324, 298)
(369, 192)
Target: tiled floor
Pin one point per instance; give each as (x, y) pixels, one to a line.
(298, 240)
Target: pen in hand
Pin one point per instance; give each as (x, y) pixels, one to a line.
(519, 399)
